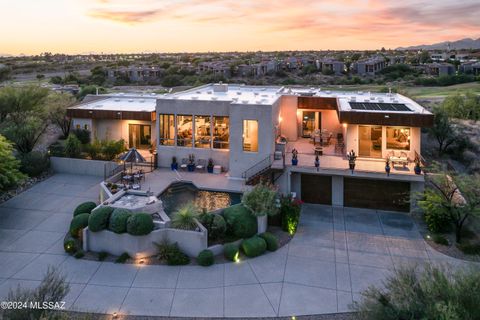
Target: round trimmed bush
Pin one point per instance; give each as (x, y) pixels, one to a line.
(78, 223)
(85, 207)
(70, 245)
(118, 220)
(99, 219)
(271, 240)
(254, 246)
(205, 258)
(215, 225)
(140, 224)
(231, 251)
(240, 222)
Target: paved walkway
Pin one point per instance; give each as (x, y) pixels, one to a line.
(336, 254)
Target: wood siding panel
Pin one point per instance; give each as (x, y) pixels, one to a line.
(377, 194)
(109, 114)
(317, 103)
(316, 189)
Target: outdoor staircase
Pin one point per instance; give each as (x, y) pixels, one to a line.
(262, 171)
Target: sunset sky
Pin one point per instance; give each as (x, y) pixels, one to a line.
(120, 26)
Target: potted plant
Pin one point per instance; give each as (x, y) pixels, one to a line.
(191, 162)
(294, 157)
(417, 168)
(352, 157)
(174, 164)
(210, 166)
(387, 166)
(317, 162)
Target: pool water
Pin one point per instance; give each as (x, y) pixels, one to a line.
(180, 193)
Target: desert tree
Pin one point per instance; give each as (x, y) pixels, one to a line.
(9, 166)
(57, 104)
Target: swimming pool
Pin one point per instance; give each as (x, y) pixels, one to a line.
(180, 193)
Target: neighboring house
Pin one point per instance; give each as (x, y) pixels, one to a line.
(370, 67)
(329, 65)
(130, 117)
(439, 56)
(470, 68)
(134, 73)
(440, 69)
(217, 68)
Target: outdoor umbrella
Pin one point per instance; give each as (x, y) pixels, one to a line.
(132, 156)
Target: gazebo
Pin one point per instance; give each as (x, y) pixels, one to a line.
(132, 157)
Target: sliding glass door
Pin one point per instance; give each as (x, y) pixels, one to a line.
(370, 141)
(139, 136)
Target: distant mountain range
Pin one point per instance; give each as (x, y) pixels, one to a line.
(466, 43)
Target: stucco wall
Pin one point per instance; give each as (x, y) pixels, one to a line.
(105, 129)
(82, 166)
(288, 112)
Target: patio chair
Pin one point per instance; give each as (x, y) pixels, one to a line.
(201, 164)
(184, 164)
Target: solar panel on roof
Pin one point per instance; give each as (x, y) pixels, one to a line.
(379, 106)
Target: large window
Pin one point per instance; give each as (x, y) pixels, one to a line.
(221, 132)
(184, 131)
(167, 129)
(202, 132)
(370, 141)
(398, 138)
(250, 135)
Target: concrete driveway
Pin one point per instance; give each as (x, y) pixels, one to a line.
(336, 253)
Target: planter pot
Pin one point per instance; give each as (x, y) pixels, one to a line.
(387, 170)
(174, 166)
(294, 162)
(210, 169)
(262, 224)
(191, 167)
(417, 169)
(351, 166)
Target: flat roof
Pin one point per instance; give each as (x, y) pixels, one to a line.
(120, 102)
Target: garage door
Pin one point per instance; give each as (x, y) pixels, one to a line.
(377, 194)
(316, 189)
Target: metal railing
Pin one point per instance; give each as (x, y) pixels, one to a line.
(258, 167)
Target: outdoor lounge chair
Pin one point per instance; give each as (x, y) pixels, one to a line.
(184, 164)
(201, 164)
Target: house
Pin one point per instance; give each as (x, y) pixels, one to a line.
(134, 73)
(251, 131)
(329, 65)
(370, 66)
(217, 68)
(470, 68)
(440, 69)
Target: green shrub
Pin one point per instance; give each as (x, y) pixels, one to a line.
(261, 200)
(73, 146)
(118, 220)
(70, 246)
(469, 248)
(171, 253)
(215, 225)
(231, 251)
(102, 256)
(427, 293)
(184, 218)
(439, 239)
(271, 240)
(240, 222)
(85, 207)
(290, 212)
(82, 135)
(435, 215)
(79, 222)
(110, 148)
(140, 224)
(79, 254)
(56, 149)
(122, 258)
(34, 163)
(254, 246)
(98, 220)
(205, 258)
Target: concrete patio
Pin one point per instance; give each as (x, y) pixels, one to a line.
(336, 253)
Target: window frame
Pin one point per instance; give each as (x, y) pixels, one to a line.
(244, 135)
(160, 122)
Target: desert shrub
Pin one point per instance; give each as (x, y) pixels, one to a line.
(82, 135)
(439, 239)
(93, 150)
(79, 254)
(171, 253)
(118, 220)
(254, 246)
(429, 294)
(240, 222)
(110, 148)
(215, 225)
(56, 149)
(140, 224)
(70, 245)
(231, 251)
(34, 163)
(102, 256)
(261, 200)
(469, 248)
(85, 207)
(290, 212)
(98, 220)
(271, 240)
(184, 218)
(122, 258)
(53, 288)
(205, 258)
(73, 146)
(436, 216)
(78, 222)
